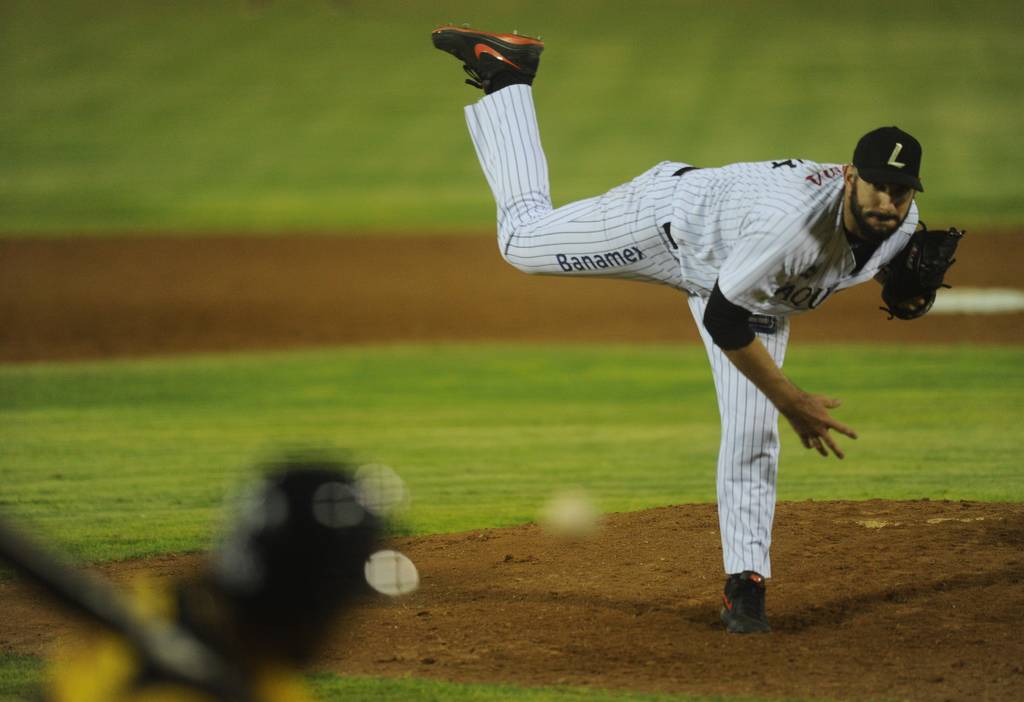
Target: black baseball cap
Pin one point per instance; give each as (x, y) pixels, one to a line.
(889, 155)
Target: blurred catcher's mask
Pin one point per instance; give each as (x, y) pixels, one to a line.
(295, 555)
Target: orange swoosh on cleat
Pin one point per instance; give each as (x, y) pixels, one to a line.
(484, 49)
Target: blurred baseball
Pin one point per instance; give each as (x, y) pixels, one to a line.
(392, 573)
(570, 514)
(381, 489)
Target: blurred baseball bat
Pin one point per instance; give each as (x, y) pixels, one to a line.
(170, 650)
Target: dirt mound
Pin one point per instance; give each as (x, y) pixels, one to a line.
(895, 600)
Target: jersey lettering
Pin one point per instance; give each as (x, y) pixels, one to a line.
(803, 296)
(827, 174)
(615, 259)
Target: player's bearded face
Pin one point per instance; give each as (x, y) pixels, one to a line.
(875, 225)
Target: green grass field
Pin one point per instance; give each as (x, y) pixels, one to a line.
(125, 459)
(332, 115)
(20, 675)
(121, 459)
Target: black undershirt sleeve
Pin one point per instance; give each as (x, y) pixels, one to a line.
(728, 324)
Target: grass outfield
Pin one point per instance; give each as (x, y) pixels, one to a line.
(325, 115)
(20, 677)
(331, 687)
(131, 458)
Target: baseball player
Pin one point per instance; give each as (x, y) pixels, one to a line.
(749, 244)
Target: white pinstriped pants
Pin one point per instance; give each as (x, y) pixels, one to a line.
(620, 235)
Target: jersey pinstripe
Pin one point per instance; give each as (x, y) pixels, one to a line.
(769, 232)
(613, 235)
(748, 454)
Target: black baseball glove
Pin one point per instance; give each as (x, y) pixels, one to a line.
(909, 284)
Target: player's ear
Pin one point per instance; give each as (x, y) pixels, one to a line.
(850, 174)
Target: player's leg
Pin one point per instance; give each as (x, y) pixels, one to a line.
(748, 456)
(618, 234)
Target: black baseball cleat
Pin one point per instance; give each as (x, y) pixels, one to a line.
(743, 604)
(492, 61)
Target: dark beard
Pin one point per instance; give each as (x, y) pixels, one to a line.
(876, 235)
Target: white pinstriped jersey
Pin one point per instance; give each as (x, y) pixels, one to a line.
(772, 234)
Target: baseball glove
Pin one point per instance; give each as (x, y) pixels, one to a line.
(912, 278)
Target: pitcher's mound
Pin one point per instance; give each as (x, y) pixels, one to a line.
(869, 600)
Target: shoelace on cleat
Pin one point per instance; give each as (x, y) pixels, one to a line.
(474, 78)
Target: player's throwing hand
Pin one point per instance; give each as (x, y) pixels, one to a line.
(808, 414)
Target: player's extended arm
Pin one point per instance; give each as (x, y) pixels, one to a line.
(807, 413)
(729, 327)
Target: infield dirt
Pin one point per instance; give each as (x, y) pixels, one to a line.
(870, 600)
(96, 298)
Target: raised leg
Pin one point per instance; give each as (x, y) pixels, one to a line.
(618, 235)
